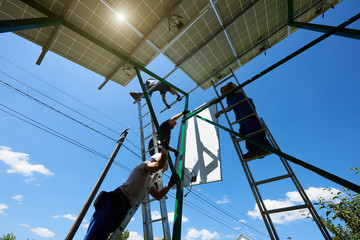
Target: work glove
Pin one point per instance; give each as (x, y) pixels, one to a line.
(186, 111)
(176, 153)
(174, 178)
(165, 143)
(168, 106)
(178, 98)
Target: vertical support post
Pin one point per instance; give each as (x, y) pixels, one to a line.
(290, 12)
(180, 185)
(88, 202)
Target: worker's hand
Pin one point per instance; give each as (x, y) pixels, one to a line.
(174, 178)
(168, 106)
(186, 111)
(165, 143)
(176, 153)
(178, 98)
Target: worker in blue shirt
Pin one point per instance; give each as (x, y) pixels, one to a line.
(248, 125)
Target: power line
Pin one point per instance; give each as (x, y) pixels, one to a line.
(54, 109)
(57, 134)
(103, 114)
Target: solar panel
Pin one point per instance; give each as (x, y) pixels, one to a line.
(194, 39)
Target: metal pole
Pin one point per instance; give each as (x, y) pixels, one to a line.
(88, 202)
(180, 185)
(272, 67)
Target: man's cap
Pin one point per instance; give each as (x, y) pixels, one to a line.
(156, 156)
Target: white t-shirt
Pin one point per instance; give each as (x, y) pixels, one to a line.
(136, 182)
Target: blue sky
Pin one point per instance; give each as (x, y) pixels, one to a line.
(310, 105)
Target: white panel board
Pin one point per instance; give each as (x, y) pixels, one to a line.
(202, 150)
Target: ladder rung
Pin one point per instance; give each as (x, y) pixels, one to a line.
(143, 105)
(242, 119)
(155, 220)
(286, 209)
(149, 201)
(144, 115)
(251, 134)
(148, 137)
(149, 150)
(224, 80)
(272, 179)
(232, 106)
(145, 126)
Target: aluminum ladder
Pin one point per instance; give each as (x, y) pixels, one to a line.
(146, 205)
(254, 184)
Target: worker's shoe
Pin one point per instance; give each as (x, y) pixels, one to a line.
(261, 153)
(134, 95)
(250, 155)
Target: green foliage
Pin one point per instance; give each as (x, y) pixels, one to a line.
(9, 236)
(124, 235)
(342, 217)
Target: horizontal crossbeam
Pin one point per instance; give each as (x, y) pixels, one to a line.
(28, 23)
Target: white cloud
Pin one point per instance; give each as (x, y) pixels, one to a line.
(242, 221)
(69, 216)
(224, 200)
(171, 218)
(155, 214)
(203, 234)
(230, 236)
(3, 207)
(24, 225)
(43, 232)
(19, 163)
(293, 198)
(135, 236)
(85, 225)
(19, 198)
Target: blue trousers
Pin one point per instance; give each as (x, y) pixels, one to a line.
(104, 221)
(249, 125)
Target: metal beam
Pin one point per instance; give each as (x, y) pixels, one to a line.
(277, 64)
(93, 39)
(346, 32)
(28, 23)
(52, 34)
(180, 186)
(327, 175)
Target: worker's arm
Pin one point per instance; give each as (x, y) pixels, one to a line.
(164, 100)
(221, 112)
(177, 116)
(159, 194)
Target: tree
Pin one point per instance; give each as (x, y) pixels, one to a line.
(9, 236)
(342, 217)
(124, 235)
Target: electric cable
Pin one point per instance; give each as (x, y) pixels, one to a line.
(76, 143)
(226, 213)
(57, 134)
(103, 114)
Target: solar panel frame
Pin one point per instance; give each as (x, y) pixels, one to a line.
(198, 48)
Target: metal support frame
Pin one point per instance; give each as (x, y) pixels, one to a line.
(92, 195)
(327, 175)
(179, 192)
(28, 23)
(52, 34)
(345, 32)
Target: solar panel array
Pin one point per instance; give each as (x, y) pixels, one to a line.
(187, 32)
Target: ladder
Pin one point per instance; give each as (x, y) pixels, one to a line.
(146, 205)
(265, 213)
